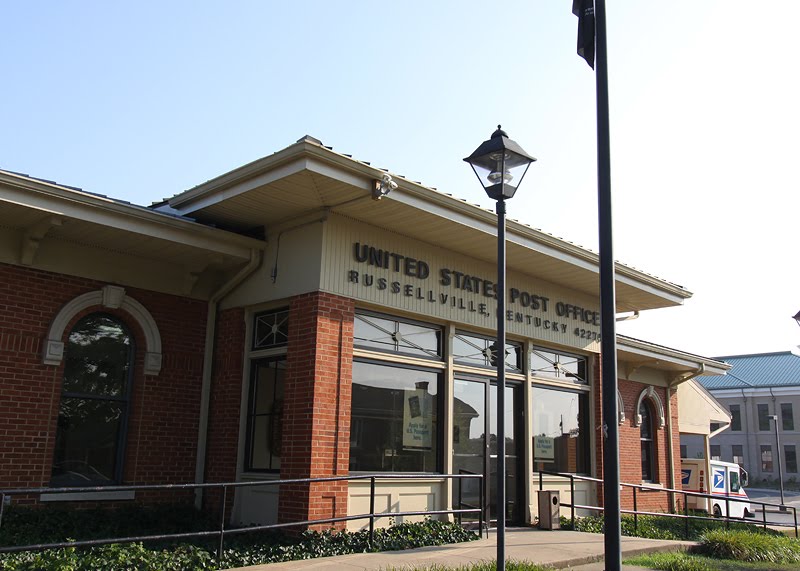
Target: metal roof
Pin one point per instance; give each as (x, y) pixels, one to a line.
(760, 370)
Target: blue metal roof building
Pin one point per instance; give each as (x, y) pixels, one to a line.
(760, 370)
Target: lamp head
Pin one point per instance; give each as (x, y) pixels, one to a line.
(500, 165)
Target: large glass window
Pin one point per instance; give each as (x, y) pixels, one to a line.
(92, 416)
(479, 352)
(265, 416)
(561, 430)
(787, 416)
(766, 458)
(552, 365)
(646, 436)
(737, 454)
(394, 419)
(736, 418)
(397, 336)
(763, 416)
(790, 458)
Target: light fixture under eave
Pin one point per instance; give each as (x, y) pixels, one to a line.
(500, 164)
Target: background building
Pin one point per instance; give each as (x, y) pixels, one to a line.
(756, 388)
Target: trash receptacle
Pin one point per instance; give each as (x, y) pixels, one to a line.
(549, 509)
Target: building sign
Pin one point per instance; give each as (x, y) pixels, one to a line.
(397, 278)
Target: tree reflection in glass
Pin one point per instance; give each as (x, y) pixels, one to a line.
(93, 403)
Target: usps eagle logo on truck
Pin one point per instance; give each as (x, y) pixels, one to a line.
(719, 480)
(686, 475)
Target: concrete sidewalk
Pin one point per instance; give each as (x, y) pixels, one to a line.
(560, 549)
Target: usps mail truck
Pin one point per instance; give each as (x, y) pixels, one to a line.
(725, 482)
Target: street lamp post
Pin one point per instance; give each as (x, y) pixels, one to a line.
(780, 468)
(500, 165)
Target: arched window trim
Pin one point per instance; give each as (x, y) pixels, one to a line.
(650, 394)
(620, 408)
(112, 297)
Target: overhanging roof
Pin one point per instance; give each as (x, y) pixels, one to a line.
(37, 210)
(308, 177)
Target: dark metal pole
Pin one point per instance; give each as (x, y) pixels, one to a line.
(500, 354)
(608, 347)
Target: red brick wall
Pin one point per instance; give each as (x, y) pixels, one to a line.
(630, 445)
(163, 413)
(317, 405)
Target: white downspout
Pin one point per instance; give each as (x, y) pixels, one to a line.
(670, 433)
(208, 362)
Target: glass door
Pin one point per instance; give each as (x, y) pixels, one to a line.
(475, 416)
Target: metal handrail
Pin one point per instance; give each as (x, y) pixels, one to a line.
(685, 493)
(222, 531)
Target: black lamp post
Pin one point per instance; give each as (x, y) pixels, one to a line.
(500, 164)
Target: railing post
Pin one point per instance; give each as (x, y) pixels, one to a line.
(635, 512)
(795, 523)
(460, 500)
(686, 514)
(764, 514)
(572, 499)
(727, 511)
(221, 548)
(541, 487)
(3, 506)
(371, 512)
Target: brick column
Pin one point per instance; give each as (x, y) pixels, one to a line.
(316, 429)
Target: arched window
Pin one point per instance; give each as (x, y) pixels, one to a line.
(92, 417)
(646, 435)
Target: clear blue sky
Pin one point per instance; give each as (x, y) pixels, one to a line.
(142, 100)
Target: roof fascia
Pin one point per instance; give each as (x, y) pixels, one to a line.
(793, 390)
(55, 199)
(659, 353)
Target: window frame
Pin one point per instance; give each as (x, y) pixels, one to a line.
(437, 329)
(581, 394)
(736, 417)
(518, 346)
(579, 379)
(762, 411)
(786, 456)
(125, 400)
(787, 414)
(250, 415)
(647, 444)
(438, 437)
(767, 465)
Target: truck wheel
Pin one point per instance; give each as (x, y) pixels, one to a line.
(717, 511)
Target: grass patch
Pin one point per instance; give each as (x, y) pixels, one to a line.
(750, 547)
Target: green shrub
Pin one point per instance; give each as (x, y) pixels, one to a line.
(240, 550)
(749, 546)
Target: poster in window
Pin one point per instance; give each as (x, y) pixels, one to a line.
(417, 419)
(543, 448)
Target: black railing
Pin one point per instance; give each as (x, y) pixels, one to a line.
(222, 532)
(686, 515)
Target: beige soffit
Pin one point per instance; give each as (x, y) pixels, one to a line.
(311, 176)
(642, 353)
(697, 409)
